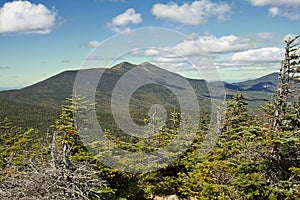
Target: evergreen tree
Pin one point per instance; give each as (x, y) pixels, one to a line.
(288, 93)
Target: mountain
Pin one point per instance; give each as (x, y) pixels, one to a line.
(40, 104)
(10, 88)
(266, 83)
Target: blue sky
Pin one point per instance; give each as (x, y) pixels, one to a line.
(40, 38)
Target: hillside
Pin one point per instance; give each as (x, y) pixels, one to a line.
(39, 105)
(266, 83)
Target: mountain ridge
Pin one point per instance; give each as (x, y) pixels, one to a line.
(39, 105)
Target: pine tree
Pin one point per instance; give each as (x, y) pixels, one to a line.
(288, 92)
(57, 167)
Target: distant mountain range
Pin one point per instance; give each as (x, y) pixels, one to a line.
(40, 104)
(266, 83)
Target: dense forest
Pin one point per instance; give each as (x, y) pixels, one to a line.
(255, 157)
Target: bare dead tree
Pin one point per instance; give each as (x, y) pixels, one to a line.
(56, 177)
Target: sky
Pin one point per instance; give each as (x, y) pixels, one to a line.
(242, 39)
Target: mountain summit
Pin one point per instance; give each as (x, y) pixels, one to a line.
(39, 105)
(123, 66)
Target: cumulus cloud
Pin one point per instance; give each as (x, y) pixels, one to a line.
(147, 52)
(151, 52)
(167, 60)
(284, 8)
(121, 22)
(196, 13)
(290, 13)
(212, 44)
(268, 54)
(93, 44)
(207, 46)
(252, 61)
(26, 17)
(274, 11)
(275, 2)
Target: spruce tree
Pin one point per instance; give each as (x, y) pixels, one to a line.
(288, 92)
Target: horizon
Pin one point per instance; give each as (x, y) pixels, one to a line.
(231, 82)
(244, 39)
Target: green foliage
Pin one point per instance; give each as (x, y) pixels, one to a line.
(288, 89)
(39, 105)
(18, 146)
(251, 159)
(236, 113)
(248, 162)
(119, 184)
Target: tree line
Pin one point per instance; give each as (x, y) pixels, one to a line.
(256, 156)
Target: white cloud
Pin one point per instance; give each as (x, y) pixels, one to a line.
(268, 54)
(274, 11)
(187, 48)
(196, 13)
(292, 17)
(151, 52)
(26, 17)
(283, 8)
(93, 44)
(275, 2)
(285, 12)
(126, 18)
(265, 36)
(193, 36)
(212, 44)
(120, 22)
(167, 60)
